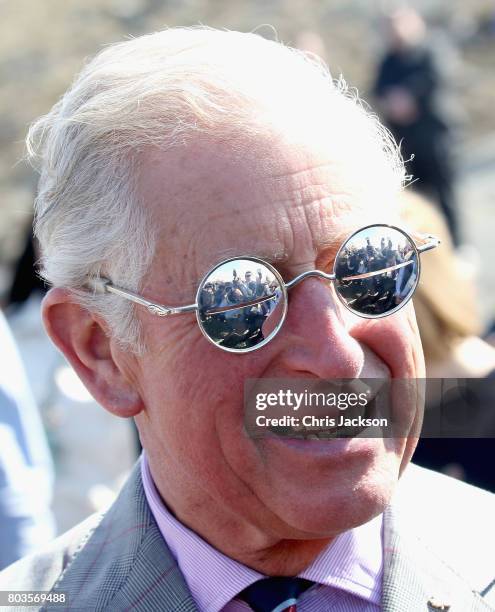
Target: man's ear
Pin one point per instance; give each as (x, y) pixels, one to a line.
(82, 338)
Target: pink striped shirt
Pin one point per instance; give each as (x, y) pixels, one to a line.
(348, 573)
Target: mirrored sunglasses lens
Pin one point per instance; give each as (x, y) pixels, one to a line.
(376, 271)
(241, 304)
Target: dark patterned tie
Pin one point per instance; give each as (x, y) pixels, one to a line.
(275, 594)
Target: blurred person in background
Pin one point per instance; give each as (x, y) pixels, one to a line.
(415, 97)
(25, 279)
(311, 42)
(446, 305)
(26, 471)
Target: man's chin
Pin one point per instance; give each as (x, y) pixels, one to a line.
(339, 515)
(336, 497)
(318, 463)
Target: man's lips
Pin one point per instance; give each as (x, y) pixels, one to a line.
(324, 421)
(321, 431)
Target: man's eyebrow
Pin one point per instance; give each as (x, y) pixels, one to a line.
(328, 244)
(334, 242)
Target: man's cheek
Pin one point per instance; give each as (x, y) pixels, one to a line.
(395, 340)
(415, 342)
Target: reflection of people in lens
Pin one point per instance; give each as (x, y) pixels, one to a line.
(274, 309)
(219, 292)
(273, 290)
(379, 293)
(249, 285)
(235, 295)
(239, 325)
(406, 279)
(207, 298)
(370, 250)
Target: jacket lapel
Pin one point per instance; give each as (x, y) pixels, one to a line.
(416, 580)
(125, 563)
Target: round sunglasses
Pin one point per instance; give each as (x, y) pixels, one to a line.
(241, 303)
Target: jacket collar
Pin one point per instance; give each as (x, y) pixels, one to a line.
(127, 565)
(416, 579)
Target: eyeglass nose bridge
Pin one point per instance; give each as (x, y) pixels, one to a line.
(295, 281)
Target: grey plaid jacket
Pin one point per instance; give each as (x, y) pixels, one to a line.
(438, 554)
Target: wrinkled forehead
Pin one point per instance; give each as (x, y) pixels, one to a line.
(288, 203)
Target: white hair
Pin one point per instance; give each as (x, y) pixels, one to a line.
(158, 91)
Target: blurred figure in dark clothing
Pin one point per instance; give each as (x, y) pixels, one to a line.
(26, 279)
(414, 96)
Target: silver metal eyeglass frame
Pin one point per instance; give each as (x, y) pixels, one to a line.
(420, 242)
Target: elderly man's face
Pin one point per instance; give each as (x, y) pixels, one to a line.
(291, 206)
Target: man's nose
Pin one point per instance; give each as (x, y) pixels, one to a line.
(318, 339)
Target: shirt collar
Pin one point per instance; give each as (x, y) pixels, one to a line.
(353, 562)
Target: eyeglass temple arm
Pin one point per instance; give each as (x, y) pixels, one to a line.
(103, 285)
(425, 242)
